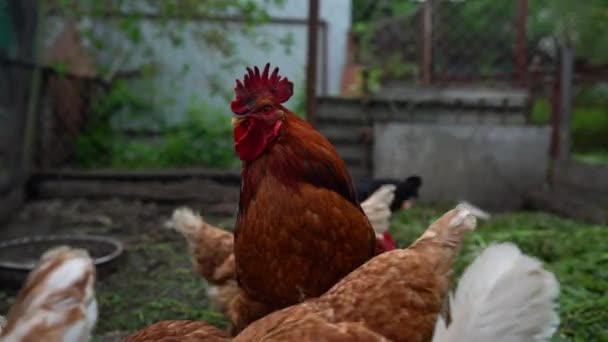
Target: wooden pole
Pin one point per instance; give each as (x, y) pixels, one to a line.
(520, 43)
(427, 42)
(562, 105)
(311, 68)
(31, 117)
(566, 79)
(555, 114)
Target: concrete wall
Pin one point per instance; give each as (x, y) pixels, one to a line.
(492, 166)
(348, 122)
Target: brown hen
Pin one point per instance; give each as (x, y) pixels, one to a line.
(211, 253)
(179, 331)
(397, 294)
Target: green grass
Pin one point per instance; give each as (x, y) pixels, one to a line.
(574, 251)
(167, 289)
(597, 158)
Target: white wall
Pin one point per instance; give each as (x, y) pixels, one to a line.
(175, 88)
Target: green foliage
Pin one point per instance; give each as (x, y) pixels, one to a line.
(100, 142)
(203, 139)
(540, 114)
(171, 20)
(7, 38)
(574, 251)
(589, 122)
(600, 158)
(475, 37)
(580, 24)
(368, 18)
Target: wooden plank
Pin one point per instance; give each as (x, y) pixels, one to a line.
(345, 134)
(352, 153)
(223, 176)
(190, 190)
(10, 203)
(342, 111)
(475, 97)
(358, 172)
(6, 182)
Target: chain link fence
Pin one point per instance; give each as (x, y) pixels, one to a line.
(443, 41)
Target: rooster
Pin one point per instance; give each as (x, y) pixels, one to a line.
(299, 227)
(57, 302)
(211, 248)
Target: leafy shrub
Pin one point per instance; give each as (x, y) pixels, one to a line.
(203, 139)
(589, 123)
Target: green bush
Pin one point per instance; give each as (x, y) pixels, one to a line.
(204, 138)
(589, 123)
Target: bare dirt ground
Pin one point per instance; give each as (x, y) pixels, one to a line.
(154, 279)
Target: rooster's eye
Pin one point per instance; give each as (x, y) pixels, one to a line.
(266, 108)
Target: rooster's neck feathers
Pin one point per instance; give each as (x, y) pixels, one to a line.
(298, 155)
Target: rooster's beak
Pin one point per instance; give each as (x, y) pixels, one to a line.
(237, 121)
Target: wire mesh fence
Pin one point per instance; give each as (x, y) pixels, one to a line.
(443, 41)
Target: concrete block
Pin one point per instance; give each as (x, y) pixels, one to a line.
(492, 166)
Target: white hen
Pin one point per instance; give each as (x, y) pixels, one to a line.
(57, 302)
(377, 208)
(503, 296)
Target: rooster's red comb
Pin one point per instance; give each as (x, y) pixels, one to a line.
(255, 84)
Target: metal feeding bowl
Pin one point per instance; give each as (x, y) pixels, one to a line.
(19, 256)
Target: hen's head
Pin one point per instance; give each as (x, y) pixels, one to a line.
(258, 110)
(57, 302)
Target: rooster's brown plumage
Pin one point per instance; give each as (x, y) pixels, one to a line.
(300, 228)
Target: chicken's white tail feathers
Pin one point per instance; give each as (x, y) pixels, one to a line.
(377, 207)
(503, 296)
(185, 221)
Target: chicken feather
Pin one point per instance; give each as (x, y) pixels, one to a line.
(503, 296)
